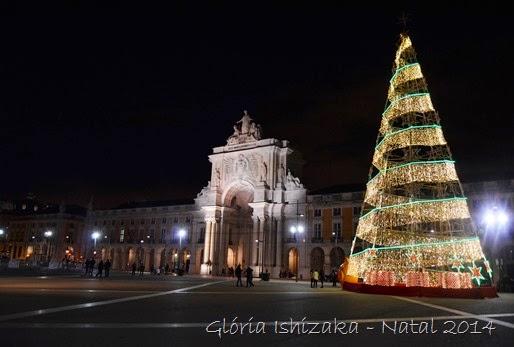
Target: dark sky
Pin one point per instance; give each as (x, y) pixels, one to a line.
(126, 103)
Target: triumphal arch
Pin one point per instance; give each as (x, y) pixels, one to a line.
(254, 194)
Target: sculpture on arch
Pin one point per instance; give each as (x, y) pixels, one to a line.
(292, 182)
(245, 132)
(245, 123)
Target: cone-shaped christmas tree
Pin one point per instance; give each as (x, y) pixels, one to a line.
(415, 227)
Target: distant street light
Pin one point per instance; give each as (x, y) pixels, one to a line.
(337, 260)
(48, 234)
(261, 249)
(496, 221)
(297, 229)
(2, 235)
(181, 234)
(95, 237)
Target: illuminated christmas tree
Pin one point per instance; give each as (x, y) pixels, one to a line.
(415, 227)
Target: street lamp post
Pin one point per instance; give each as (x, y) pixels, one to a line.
(48, 234)
(496, 222)
(2, 235)
(261, 250)
(181, 233)
(336, 250)
(95, 236)
(296, 229)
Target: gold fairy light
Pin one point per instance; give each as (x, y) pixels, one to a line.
(404, 74)
(416, 212)
(419, 102)
(413, 136)
(427, 172)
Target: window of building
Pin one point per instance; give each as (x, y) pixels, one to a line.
(131, 222)
(188, 219)
(357, 211)
(175, 220)
(142, 221)
(163, 235)
(122, 235)
(153, 221)
(317, 231)
(317, 212)
(337, 211)
(201, 237)
(113, 222)
(163, 220)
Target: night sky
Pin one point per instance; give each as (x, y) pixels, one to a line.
(126, 103)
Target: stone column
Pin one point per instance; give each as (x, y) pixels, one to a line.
(271, 244)
(213, 249)
(221, 247)
(263, 246)
(279, 257)
(148, 259)
(254, 235)
(206, 249)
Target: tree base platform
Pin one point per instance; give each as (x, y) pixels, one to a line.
(429, 292)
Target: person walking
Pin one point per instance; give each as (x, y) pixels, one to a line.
(312, 278)
(91, 267)
(88, 265)
(107, 267)
(100, 268)
(249, 276)
(334, 278)
(321, 276)
(239, 272)
(133, 268)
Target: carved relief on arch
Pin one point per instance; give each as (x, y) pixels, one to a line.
(243, 167)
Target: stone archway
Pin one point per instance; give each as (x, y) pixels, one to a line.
(237, 237)
(292, 258)
(231, 258)
(336, 257)
(317, 258)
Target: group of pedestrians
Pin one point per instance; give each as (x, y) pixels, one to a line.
(317, 276)
(140, 269)
(103, 268)
(248, 273)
